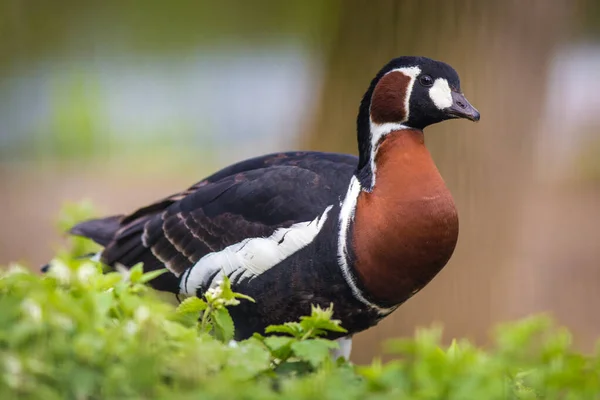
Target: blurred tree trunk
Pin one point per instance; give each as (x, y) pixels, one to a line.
(502, 58)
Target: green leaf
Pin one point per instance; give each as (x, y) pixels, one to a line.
(191, 305)
(289, 328)
(254, 359)
(109, 280)
(222, 325)
(148, 276)
(243, 296)
(227, 293)
(320, 322)
(75, 333)
(70, 215)
(314, 351)
(103, 302)
(74, 213)
(280, 346)
(294, 368)
(136, 272)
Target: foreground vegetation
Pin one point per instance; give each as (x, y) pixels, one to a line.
(79, 333)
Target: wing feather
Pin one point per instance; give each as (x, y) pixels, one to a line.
(251, 199)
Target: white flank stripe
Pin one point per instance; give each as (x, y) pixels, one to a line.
(346, 216)
(378, 131)
(253, 255)
(440, 94)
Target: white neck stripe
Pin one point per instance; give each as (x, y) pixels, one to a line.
(348, 207)
(378, 131)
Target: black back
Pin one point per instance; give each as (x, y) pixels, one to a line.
(248, 199)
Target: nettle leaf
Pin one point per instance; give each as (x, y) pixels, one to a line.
(222, 325)
(136, 272)
(294, 368)
(314, 351)
(229, 295)
(320, 321)
(191, 305)
(177, 332)
(244, 297)
(280, 346)
(252, 359)
(73, 213)
(380, 377)
(75, 333)
(109, 280)
(103, 302)
(148, 276)
(226, 293)
(289, 328)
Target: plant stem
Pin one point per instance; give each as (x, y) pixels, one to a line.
(307, 334)
(207, 312)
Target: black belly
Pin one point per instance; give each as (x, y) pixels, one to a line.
(287, 291)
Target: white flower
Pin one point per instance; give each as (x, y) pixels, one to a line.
(219, 302)
(213, 294)
(232, 302)
(60, 271)
(63, 322)
(131, 328)
(142, 313)
(32, 310)
(14, 269)
(13, 365)
(86, 272)
(14, 370)
(123, 270)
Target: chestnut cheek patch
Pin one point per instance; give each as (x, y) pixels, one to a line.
(388, 103)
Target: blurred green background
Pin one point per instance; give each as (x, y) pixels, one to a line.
(122, 102)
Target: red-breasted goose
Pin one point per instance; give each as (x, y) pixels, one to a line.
(300, 228)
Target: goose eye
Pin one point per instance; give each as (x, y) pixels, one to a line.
(426, 80)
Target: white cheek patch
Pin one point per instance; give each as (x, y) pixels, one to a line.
(252, 256)
(440, 94)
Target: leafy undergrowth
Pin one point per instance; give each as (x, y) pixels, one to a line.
(79, 333)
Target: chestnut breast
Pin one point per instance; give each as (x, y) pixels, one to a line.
(406, 228)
